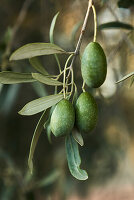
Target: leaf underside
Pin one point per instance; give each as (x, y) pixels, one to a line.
(74, 159)
(78, 137)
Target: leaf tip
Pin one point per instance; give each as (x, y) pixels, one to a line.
(86, 178)
(10, 58)
(119, 81)
(20, 112)
(33, 75)
(81, 144)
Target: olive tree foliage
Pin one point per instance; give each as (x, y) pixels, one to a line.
(65, 86)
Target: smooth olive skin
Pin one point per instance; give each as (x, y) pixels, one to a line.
(63, 118)
(86, 112)
(94, 65)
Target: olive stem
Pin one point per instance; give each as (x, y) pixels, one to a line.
(95, 23)
(72, 83)
(61, 91)
(83, 87)
(76, 52)
(64, 78)
(58, 76)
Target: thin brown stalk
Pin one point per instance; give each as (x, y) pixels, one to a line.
(77, 49)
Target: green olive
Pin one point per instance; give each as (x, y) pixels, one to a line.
(63, 118)
(94, 65)
(86, 112)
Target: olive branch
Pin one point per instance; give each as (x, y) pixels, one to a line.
(46, 104)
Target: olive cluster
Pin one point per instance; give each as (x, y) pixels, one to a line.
(85, 113)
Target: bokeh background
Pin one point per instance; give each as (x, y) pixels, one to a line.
(108, 152)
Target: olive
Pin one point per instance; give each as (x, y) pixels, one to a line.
(86, 112)
(63, 118)
(94, 65)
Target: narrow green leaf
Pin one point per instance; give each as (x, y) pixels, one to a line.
(46, 80)
(36, 64)
(51, 37)
(38, 105)
(126, 77)
(47, 125)
(35, 138)
(74, 159)
(36, 49)
(116, 24)
(8, 77)
(52, 28)
(78, 137)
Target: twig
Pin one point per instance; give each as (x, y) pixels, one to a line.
(64, 77)
(80, 37)
(95, 23)
(83, 86)
(17, 25)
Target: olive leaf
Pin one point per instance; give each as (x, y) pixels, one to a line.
(78, 137)
(47, 125)
(36, 49)
(46, 80)
(40, 104)
(74, 159)
(36, 64)
(35, 138)
(52, 27)
(51, 36)
(116, 24)
(8, 77)
(126, 77)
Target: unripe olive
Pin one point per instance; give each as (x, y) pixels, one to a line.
(94, 65)
(62, 119)
(86, 112)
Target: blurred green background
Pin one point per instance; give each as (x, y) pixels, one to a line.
(108, 152)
